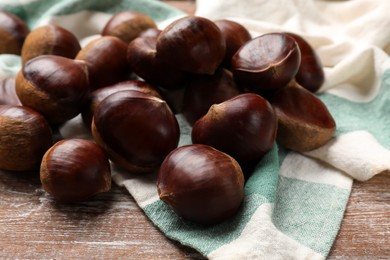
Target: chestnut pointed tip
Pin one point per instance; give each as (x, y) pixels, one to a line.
(243, 127)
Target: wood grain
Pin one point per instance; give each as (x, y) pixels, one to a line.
(365, 229)
(112, 226)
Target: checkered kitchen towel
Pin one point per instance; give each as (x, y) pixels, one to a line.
(294, 203)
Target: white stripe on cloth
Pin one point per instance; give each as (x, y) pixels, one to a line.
(301, 167)
(261, 238)
(82, 24)
(357, 153)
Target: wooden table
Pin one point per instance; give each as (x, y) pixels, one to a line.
(111, 226)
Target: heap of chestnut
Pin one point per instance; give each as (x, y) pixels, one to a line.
(240, 95)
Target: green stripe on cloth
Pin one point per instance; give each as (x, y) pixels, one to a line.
(205, 239)
(264, 178)
(33, 11)
(372, 116)
(310, 213)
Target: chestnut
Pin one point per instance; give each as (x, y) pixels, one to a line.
(99, 94)
(142, 59)
(75, 169)
(50, 40)
(202, 91)
(201, 184)
(304, 121)
(13, 32)
(54, 86)
(310, 73)
(193, 44)
(174, 98)
(266, 63)
(151, 32)
(106, 61)
(127, 25)
(243, 127)
(137, 130)
(25, 135)
(8, 94)
(235, 36)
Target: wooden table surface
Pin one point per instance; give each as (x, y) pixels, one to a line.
(111, 226)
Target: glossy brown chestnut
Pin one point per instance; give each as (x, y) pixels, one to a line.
(201, 183)
(74, 170)
(8, 94)
(243, 127)
(311, 73)
(13, 32)
(266, 63)
(174, 98)
(127, 25)
(304, 121)
(98, 95)
(25, 136)
(235, 36)
(54, 86)
(50, 40)
(106, 61)
(135, 129)
(193, 44)
(151, 32)
(203, 91)
(142, 59)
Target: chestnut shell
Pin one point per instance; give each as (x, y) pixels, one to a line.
(135, 129)
(202, 91)
(127, 25)
(235, 36)
(50, 40)
(193, 44)
(243, 127)
(13, 32)
(266, 63)
(304, 121)
(201, 183)
(25, 135)
(142, 59)
(106, 61)
(54, 86)
(99, 94)
(310, 74)
(74, 170)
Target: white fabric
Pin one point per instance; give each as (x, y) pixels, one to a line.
(254, 241)
(357, 153)
(307, 169)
